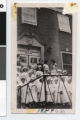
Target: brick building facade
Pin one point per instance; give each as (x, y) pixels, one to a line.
(43, 37)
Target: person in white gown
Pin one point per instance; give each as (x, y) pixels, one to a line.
(65, 88)
(55, 86)
(68, 85)
(24, 78)
(39, 83)
(33, 86)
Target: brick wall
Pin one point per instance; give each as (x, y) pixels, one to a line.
(48, 34)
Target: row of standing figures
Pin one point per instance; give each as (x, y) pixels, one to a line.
(38, 86)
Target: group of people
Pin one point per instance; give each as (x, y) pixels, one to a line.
(58, 84)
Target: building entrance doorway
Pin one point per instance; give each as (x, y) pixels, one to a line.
(28, 55)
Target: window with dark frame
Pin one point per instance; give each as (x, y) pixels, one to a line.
(67, 62)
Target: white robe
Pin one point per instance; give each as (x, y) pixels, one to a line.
(50, 89)
(23, 93)
(55, 86)
(68, 86)
(56, 90)
(33, 88)
(64, 96)
(24, 90)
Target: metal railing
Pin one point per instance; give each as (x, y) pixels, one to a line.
(26, 91)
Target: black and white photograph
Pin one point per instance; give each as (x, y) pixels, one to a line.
(44, 58)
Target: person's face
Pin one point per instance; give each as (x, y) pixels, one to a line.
(56, 81)
(25, 70)
(39, 68)
(55, 66)
(23, 80)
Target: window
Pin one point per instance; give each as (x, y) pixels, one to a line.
(22, 60)
(33, 60)
(63, 23)
(29, 16)
(67, 62)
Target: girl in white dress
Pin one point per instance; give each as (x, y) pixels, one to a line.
(55, 82)
(68, 84)
(33, 85)
(65, 87)
(39, 83)
(24, 79)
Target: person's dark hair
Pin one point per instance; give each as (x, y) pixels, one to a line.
(25, 70)
(53, 61)
(46, 61)
(41, 67)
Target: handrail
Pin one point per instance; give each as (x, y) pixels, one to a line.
(32, 81)
(45, 89)
(40, 77)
